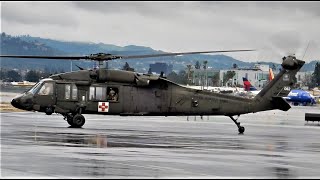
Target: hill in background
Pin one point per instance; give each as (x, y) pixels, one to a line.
(28, 45)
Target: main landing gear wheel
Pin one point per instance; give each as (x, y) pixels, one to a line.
(75, 121)
(240, 128)
(70, 120)
(78, 120)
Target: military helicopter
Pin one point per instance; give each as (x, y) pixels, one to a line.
(117, 92)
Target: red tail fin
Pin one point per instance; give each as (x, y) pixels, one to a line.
(271, 75)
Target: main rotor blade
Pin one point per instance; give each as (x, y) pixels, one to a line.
(108, 57)
(176, 54)
(47, 57)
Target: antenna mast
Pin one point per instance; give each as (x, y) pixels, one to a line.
(305, 50)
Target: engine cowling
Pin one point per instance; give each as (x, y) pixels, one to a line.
(104, 75)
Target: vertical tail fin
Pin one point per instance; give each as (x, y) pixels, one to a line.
(270, 97)
(247, 85)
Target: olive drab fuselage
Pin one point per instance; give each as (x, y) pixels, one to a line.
(117, 92)
(157, 96)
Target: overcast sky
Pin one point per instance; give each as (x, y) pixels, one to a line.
(275, 29)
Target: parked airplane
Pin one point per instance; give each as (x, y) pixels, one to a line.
(249, 88)
(296, 96)
(300, 97)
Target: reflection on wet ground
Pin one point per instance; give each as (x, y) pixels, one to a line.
(276, 144)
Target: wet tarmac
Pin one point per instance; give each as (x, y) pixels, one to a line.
(276, 144)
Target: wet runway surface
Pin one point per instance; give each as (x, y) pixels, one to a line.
(276, 144)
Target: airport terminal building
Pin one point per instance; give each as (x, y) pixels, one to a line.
(258, 76)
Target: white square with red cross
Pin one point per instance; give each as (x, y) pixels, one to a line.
(103, 107)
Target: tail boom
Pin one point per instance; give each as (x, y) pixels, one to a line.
(270, 97)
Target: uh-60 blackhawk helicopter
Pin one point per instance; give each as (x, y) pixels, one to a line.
(117, 92)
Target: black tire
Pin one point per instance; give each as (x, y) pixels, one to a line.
(70, 120)
(78, 121)
(241, 129)
(48, 110)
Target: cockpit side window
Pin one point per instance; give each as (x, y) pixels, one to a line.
(46, 89)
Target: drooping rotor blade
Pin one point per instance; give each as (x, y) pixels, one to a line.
(107, 57)
(46, 57)
(93, 57)
(176, 54)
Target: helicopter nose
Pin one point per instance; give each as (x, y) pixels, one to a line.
(16, 103)
(23, 102)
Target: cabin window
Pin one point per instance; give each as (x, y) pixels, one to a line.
(70, 92)
(97, 93)
(92, 93)
(100, 93)
(67, 91)
(113, 94)
(74, 92)
(46, 89)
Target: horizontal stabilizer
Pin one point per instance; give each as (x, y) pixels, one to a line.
(280, 103)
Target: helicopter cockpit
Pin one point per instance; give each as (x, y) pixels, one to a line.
(43, 87)
(42, 91)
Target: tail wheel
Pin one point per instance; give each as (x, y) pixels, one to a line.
(241, 129)
(78, 120)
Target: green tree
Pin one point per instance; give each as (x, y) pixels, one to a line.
(2, 74)
(180, 78)
(13, 76)
(215, 79)
(228, 75)
(44, 74)
(183, 77)
(197, 65)
(205, 64)
(173, 76)
(316, 75)
(32, 76)
(235, 66)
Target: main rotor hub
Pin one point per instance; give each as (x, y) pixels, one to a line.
(102, 57)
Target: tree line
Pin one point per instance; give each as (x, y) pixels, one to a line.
(31, 75)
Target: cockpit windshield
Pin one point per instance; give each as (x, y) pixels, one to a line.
(35, 88)
(44, 85)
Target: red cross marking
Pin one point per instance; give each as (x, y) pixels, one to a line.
(103, 106)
